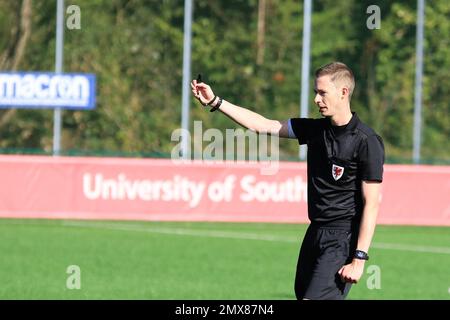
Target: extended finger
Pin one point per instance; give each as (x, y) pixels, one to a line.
(194, 90)
(201, 85)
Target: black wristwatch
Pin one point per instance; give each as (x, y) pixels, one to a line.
(361, 255)
(217, 106)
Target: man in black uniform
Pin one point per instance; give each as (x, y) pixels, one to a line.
(345, 171)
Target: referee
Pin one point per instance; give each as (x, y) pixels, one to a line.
(345, 171)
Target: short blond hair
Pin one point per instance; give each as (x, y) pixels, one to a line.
(339, 72)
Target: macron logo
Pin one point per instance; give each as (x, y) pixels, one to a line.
(46, 90)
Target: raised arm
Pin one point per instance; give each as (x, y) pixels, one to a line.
(245, 117)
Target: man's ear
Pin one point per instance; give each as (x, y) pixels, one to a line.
(344, 92)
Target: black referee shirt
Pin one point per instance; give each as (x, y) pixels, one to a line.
(339, 158)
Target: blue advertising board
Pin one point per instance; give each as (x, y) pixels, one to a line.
(47, 90)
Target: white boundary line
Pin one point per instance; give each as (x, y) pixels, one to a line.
(184, 232)
(406, 247)
(241, 235)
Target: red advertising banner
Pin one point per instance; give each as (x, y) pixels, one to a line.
(162, 190)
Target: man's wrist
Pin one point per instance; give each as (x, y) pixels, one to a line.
(215, 102)
(210, 102)
(358, 261)
(361, 255)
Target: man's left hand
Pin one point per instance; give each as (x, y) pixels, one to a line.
(352, 272)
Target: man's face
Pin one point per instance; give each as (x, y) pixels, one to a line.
(327, 96)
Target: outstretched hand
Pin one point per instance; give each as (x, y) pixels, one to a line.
(202, 92)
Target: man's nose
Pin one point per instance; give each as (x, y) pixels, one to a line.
(317, 98)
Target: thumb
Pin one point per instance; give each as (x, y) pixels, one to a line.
(341, 270)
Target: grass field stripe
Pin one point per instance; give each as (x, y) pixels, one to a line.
(188, 232)
(247, 236)
(405, 247)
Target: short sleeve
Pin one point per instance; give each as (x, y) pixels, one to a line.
(304, 128)
(372, 158)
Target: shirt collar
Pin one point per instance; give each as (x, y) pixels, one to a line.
(351, 125)
(353, 122)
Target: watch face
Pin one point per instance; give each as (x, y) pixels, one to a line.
(361, 255)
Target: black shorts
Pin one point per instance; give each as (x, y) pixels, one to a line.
(323, 252)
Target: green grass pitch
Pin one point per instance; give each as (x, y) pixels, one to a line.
(181, 260)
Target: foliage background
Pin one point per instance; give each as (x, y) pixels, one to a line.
(135, 48)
